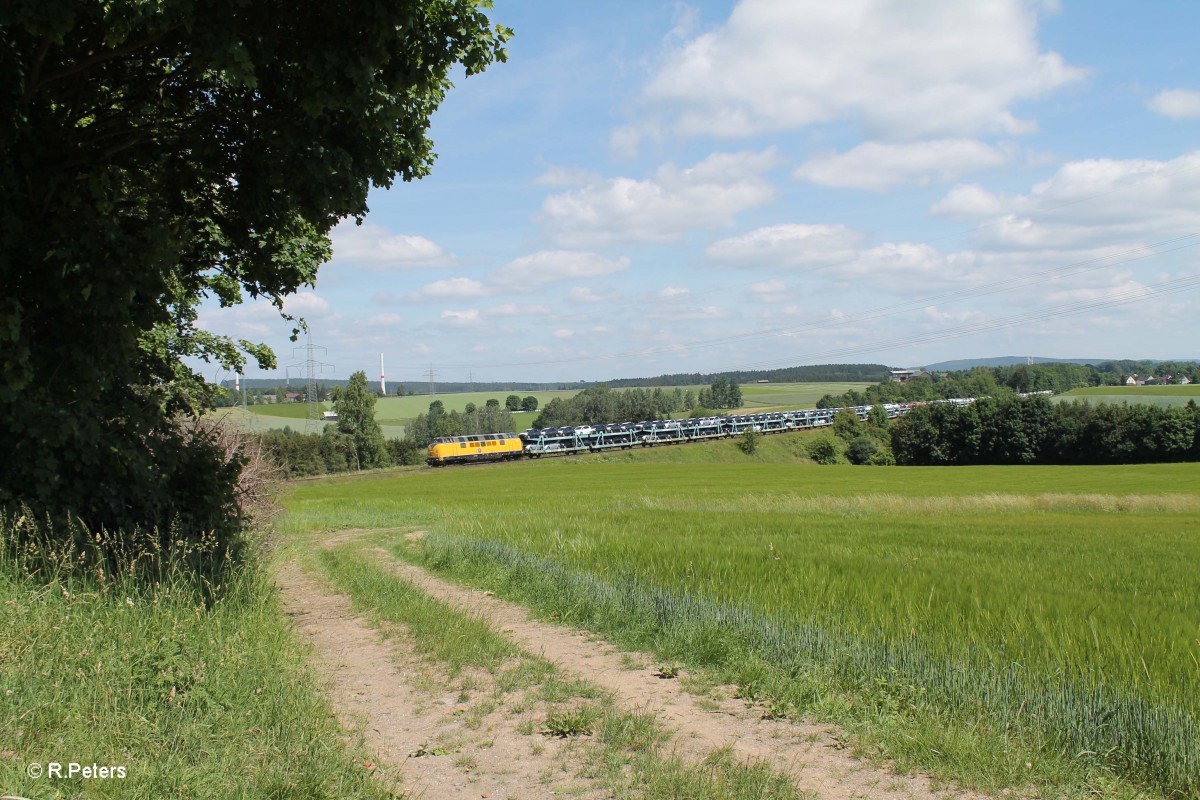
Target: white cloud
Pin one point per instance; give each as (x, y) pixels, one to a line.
(772, 291)
(968, 202)
(878, 166)
(898, 265)
(788, 246)
(1176, 103)
(587, 294)
(1087, 203)
(564, 333)
(663, 208)
(451, 287)
(901, 70)
(673, 292)
(381, 320)
(467, 318)
(514, 310)
(305, 304)
(678, 314)
(375, 248)
(552, 266)
(936, 315)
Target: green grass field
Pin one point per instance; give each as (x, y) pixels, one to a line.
(284, 410)
(1140, 395)
(792, 395)
(402, 410)
(1058, 601)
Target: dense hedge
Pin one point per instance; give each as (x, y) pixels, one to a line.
(1036, 430)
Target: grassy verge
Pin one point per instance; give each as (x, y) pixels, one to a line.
(197, 691)
(627, 751)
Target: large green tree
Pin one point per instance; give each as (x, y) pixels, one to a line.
(157, 152)
(355, 407)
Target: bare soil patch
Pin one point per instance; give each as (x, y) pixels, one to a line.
(416, 722)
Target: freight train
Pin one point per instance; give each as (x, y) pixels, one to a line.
(538, 442)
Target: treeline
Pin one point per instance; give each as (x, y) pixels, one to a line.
(983, 381)
(1037, 430)
(813, 373)
(601, 404)
(352, 446)
(439, 422)
(302, 455)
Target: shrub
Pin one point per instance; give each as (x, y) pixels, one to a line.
(824, 450)
(749, 442)
(861, 450)
(882, 458)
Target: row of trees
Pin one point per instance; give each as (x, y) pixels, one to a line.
(474, 420)
(724, 393)
(599, 405)
(1036, 430)
(985, 381)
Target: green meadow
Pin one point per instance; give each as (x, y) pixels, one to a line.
(792, 395)
(1136, 395)
(959, 618)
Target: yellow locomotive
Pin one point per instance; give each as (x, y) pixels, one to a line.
(467, 449)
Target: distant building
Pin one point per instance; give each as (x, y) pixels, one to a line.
(1184, 380)
(901, 375)
(292, 397)
(329, 416)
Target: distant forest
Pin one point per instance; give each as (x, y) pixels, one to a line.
(822, 373)
(815, 373)
(985, 381)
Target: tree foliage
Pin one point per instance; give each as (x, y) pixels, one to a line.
(748, 443)
(1035, 430)
(155, 154)
(598, 405)
(724, 393)
(355, 407)
(439, 423)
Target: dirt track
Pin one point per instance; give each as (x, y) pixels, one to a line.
(416, 724)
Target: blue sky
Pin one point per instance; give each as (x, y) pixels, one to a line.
(651, 187)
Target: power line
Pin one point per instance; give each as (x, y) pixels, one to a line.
(310, 367)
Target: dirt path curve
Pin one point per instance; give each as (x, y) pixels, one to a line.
(808, 752)
(409, 721)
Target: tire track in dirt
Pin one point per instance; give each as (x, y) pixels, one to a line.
(810, 753)
(413, 720)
